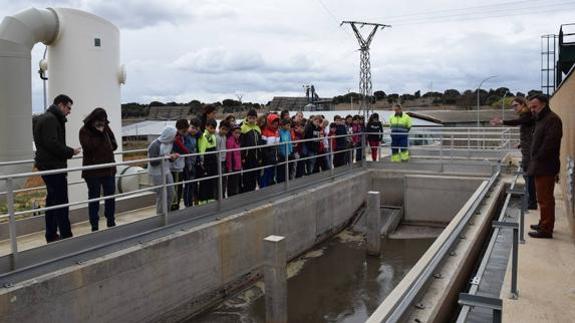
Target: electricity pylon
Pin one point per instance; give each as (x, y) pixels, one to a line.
(365, 86)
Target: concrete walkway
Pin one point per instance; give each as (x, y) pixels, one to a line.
(36, 239)
(546, 280)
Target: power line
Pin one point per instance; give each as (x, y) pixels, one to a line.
(468, 18)
(427, 12)
(486, 13)
(333, 16)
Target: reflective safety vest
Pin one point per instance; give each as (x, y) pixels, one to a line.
(400, 123)
(207, 142)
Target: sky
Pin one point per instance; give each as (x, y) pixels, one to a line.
(209, 50)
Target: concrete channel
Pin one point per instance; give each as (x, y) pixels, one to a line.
(190, 268)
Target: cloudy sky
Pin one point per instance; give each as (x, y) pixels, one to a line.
(215, 49)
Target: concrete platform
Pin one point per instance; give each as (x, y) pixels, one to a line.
(546, 280)
(36, 239)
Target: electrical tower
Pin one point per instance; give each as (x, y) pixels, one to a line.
(365, 86)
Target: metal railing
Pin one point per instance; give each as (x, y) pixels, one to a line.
(470, 299)
(499, 140)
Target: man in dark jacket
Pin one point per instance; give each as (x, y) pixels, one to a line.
(526, 124)
(544, 163)
(52, 153)
(99, 143)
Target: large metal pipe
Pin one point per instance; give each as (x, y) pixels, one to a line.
(18, 34)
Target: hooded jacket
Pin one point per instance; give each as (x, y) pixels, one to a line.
(97, 146)
(311, 131)
(233, 158)
(250, 137)
(271, 136)
(50, 139)
(374, 130)
(162, 146)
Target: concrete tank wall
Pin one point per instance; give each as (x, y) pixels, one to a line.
(436, 198)
(169, 278)
(425, 198)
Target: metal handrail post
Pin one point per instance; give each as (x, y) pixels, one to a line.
(287, 172)
(441, 151)
(164, 194)
(514, 254)
(468, 139)
(515, 263)
(363, 149)
(452, 147)
(220, 181)
(12, 222)
(331, 155)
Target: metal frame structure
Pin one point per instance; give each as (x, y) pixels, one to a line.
(548, 63)
(365, 86)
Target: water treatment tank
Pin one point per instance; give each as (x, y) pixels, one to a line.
(84, 63)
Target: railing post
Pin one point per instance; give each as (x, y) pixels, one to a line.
(363, 149)
(12, 221)
(514, 254)
(275, 279)
(351, 151)
(220, 181)
(522, 194)
(164, 193)
(515, 263)
(287, 170)
(468, 139)
(441, 151)
(373, 223)
(452, 147)
(331, 155)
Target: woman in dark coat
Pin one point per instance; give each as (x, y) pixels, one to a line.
(98, 144)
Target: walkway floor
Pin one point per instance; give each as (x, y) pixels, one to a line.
(546, 280)
(37, 239)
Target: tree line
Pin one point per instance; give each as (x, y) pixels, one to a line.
(136, 110)
(450, 97)
(467, 98)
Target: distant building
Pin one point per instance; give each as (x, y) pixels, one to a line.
(462, 118)
(169, 112)
(279, 103)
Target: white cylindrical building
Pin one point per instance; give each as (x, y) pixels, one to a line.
(84, 63)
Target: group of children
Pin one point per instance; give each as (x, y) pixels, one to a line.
(251, 154)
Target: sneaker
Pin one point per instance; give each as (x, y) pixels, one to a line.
(534, 227)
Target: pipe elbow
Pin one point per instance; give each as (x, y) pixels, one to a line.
(30, 27)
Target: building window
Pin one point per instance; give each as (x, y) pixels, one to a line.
(97, 42)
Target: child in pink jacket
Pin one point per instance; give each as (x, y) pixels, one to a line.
(234, 160)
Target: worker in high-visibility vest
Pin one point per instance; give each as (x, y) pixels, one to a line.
(400, 124)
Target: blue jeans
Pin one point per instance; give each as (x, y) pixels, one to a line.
(57, 220)
(96, 185)
(269, 176)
